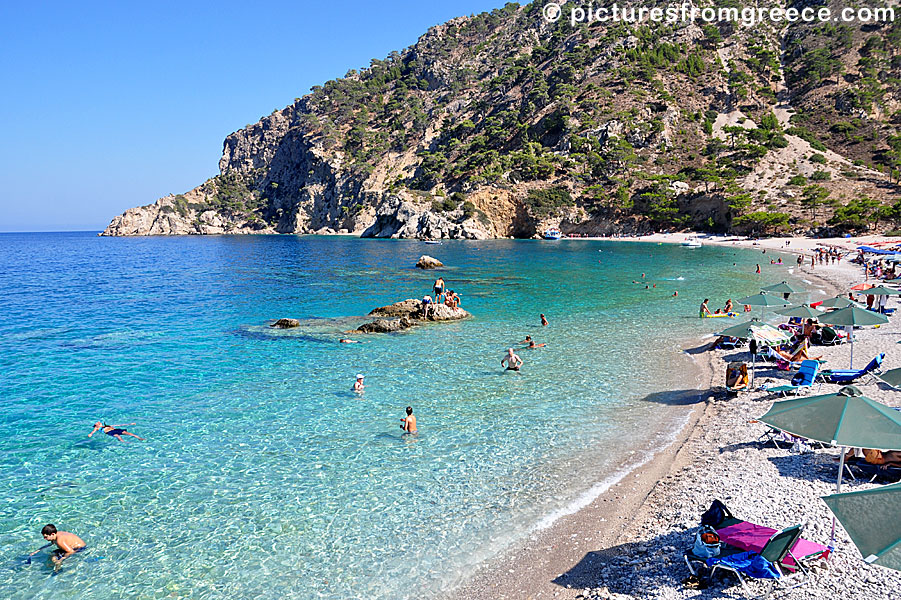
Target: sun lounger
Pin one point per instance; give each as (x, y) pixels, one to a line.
(861, 469)
(830, 337)
(744, 542)
(803, 379)
(851, 375)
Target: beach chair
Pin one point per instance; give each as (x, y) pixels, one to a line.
(736, 377)
(861, 469)
(802, 380)
(771, 563)
(786, 550)
(850, 375)
(829, 337)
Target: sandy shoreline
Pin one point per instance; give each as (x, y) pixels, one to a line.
(628, 542)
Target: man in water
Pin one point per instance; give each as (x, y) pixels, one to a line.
(358, 384)
(513, 362)
(116, 431)
(347, 341)
(532, 344)
(67, 543)
(408, 423)
(704, 311)
(544, 322)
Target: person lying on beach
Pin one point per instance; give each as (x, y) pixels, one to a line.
(513, 362)
(116, 431)
(799, 354)
(67, 543)
(358, 384)
(408, 423)
(890, 458)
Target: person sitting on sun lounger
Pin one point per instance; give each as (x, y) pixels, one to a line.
(799, 354)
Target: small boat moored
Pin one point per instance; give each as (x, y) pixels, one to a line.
(552, 234)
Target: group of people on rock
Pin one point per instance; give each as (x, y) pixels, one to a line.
(449, 298)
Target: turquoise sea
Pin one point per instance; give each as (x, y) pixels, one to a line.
(263, 475)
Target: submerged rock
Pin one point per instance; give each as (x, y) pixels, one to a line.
(286, 324)
(428, 262)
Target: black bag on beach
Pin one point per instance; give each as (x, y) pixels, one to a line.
(716, 514)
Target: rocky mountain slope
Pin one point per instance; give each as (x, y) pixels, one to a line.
(502, 124)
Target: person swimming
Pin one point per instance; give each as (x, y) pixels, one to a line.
(358, 384)
(532, 344)
(116, 431)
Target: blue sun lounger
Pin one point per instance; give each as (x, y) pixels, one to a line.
(851, 375)
(803, 379)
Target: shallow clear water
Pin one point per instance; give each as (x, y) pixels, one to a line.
(263, 475)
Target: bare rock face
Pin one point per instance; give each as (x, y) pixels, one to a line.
(428, 262)
(286, 324)
(398, 218)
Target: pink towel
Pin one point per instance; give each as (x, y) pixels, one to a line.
(753, 538)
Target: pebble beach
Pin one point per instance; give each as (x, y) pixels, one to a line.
(629, 543)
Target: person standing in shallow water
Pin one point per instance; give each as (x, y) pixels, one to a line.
(544, 322)
(513, 362)
(408, 423)
(758, 269)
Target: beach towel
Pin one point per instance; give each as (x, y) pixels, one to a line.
(749, 563)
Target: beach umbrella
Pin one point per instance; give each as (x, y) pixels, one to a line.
(892, 377)
(802, 310)
(871, 519)
(881, 290)
(851, 317)
(781, 288)
(840, 302)
(861, 287)
(846, 418)
(763, 299)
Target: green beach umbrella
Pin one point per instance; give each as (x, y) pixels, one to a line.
(853, 316)
(892, 377)
(871, 519)
(741, 331)
(802, 310)
(781, 288)
(881, 290)
(840, 302)
(764, 299)
(846, 418)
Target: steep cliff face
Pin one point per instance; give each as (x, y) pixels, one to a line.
(503, 124)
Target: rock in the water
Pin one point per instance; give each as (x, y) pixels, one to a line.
(286, 324)
(386, 325)
(428, 262)
(413, 309)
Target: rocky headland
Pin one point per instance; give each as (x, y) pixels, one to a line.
(502, 124)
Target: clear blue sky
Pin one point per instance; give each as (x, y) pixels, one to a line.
(110, 105)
